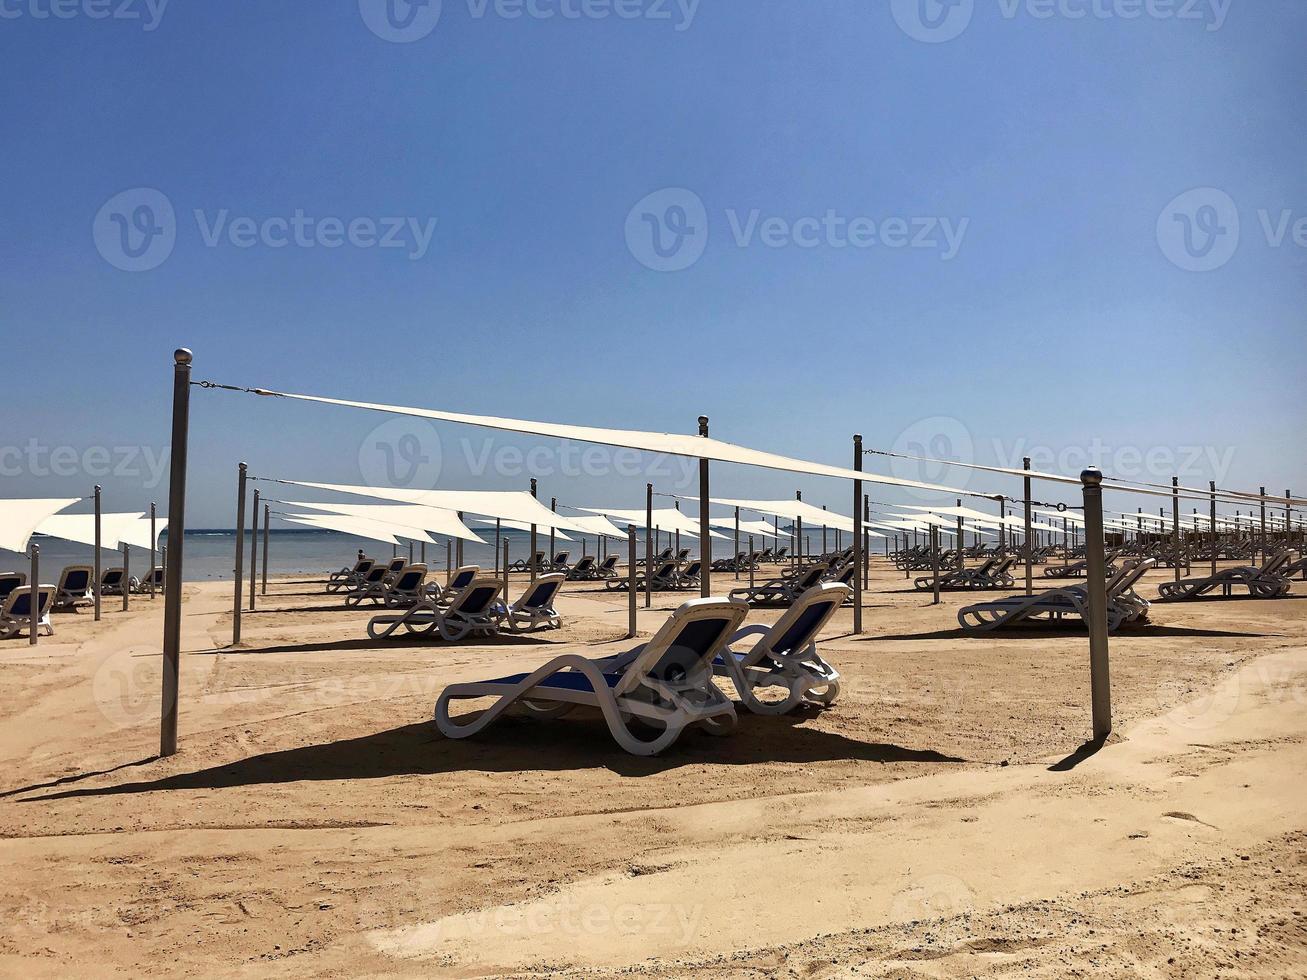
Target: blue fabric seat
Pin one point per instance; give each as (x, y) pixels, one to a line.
(565, 681)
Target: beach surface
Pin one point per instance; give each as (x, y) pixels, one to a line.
(946, 818)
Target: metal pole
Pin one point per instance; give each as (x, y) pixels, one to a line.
(630, 570)
(154, 542)
(1175, 525)
(934, 559)
(498, 529)
(1263, 525)
(751, 563)
(254, 546)
(553, 507)
(798, 533)
(737, 544)
(705, 534)
(243, 476)
(1099, 670)
(1215, 545)
(458, 546)
(34, 597)
(859, 543)
(505, 566)
(962, 541)
(1030, 543)
(173, 557)
(98, 571)
(127, 575)
(267, 515)
(648, 548)
(534, 544)
(449, 561)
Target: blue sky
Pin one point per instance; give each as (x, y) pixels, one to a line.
(1019, 276)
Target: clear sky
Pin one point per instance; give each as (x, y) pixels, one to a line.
(977, 228)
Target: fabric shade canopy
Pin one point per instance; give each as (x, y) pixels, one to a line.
(444, 523)
(758, 528)
(664, 519)
(138, 535)
(357, 527)
(598, 525)
(519, 526)
(115, 529)
(19, 519)
(509, 505)
(795, 510)
(667, 443)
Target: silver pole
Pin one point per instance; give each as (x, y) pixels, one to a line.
(1099, 670)
(534, 543)
(154, 542)
(962, 541)
(934, 559)
(553, 507)
(243, 476)
(254, 546)
(859, 544)
(630, 591)
(737, 544)
(705, 537)
(505, 567)
(1175, 526)
(267, 515)
(648, 549)
(498, 532)
(34, 597)
(127, 575)
(751, 563)
(174, 556)
(798, 533)
(1215, 545)
(1263, 525)
(98, 571)
(1030, 544)
(458, 548)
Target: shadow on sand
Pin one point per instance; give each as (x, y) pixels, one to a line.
(518, 744)
(1037, 631)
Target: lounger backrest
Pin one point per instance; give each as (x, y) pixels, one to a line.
(693, 569)
(609, 562)
(846, 574)
(1004, 565)
(396, 565)
(664, 554)
(75, 578)
(988, 567)
(19, 604)
(690, 638)
(810, 578)
(479, 595)
(10, 581)
(1125, 580)
(584, 564)
(801, 623)
(542, 594)
(665, 569)
(1273, 564)
(463, 577)
(561, 557)
(364, 566)
(410, 578)
(376, 574)
(540, 558)
(111, 576)
(683, 554)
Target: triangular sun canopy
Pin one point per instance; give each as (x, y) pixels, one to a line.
(19, 519)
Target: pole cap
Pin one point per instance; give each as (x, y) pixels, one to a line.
(1091, 477)
(703, 425)
(183, 355)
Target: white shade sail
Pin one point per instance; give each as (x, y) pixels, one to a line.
(509, 505)
(757, 528)
(138, 535)
(444, 523)
(19, 519)
(520, 526)
(354, 526)
(115, 529)
(664, 519)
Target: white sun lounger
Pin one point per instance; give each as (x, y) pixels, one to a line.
(536, 607)
(1123, 604)
(1268, 581)
(10, 581)
(781, 591)
(475, 609)
(74, 589)
(16, 612)
(666, 683)
(348, 578)
(785, 655)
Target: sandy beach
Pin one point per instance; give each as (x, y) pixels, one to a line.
(941, 820)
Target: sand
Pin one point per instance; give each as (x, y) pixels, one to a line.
(941, 820)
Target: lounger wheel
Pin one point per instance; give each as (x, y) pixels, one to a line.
(825, 695)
